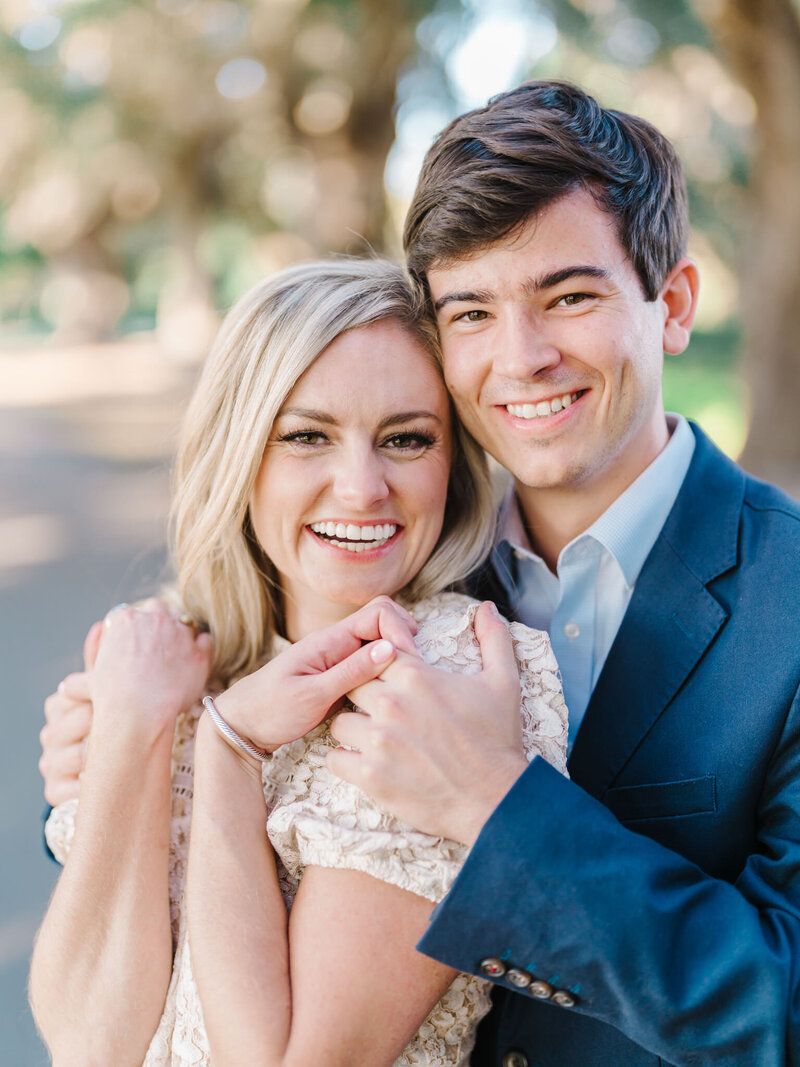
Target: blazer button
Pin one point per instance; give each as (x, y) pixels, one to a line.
(516, 976)
(515, 1059)
(563, 999)
(541, 990)
(493, 968)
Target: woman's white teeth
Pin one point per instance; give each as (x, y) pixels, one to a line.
(352, 537)
(543, 408)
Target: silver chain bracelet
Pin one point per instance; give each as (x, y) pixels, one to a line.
(230, 734)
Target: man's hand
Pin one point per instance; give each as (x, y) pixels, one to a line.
(440, 750)
(295, 691)
(68, 719)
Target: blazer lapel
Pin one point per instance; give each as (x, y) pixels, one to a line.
(670, 622)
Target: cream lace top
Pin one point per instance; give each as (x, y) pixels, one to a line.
(316, 818)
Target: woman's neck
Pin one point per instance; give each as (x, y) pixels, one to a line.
(300, 620)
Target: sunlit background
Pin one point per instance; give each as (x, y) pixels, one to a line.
(156, 158)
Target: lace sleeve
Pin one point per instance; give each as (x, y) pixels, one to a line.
(319, 819)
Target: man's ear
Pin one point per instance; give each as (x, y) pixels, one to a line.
(678, 298)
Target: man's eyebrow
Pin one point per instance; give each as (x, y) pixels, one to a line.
(472, 296)
(532, 285)
(556, 277)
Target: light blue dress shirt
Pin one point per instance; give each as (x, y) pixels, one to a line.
(583, 604)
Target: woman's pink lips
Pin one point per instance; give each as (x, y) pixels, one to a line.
(368, 553)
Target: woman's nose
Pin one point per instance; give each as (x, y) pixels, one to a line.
(360, 479)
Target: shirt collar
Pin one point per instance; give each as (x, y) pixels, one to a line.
(627, 529)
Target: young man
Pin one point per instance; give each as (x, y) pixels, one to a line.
(647, 911)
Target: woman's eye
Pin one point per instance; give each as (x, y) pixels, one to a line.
(408, 442)
(305, 437)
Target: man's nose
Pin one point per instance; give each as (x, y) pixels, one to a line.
(523, 347)
(360, 478)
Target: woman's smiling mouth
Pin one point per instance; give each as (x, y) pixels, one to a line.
(354, 537)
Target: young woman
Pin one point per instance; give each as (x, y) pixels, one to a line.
(320, 471)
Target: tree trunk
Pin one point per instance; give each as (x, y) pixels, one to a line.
(761, 39)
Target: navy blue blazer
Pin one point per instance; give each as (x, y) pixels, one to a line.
(660, 886)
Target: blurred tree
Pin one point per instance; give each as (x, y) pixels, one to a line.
(760, 39)
(170, 152)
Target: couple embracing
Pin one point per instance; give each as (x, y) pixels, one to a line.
(616, 884)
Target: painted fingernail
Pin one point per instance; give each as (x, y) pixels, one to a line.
(61, 688)
(493, 609)
(381, 651)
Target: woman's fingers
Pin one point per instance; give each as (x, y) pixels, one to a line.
(356, 670)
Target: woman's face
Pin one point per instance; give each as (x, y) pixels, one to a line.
(349, 498)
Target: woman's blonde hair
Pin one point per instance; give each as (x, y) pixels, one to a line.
(267, 341)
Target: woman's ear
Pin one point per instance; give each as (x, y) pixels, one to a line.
(678, 298)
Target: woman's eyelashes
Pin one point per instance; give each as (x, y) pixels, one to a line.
(409, 441)
(402, 441)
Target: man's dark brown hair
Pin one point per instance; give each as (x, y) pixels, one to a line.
(490, 169)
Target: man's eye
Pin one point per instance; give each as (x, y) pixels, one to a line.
(475, 315)
(571, 299)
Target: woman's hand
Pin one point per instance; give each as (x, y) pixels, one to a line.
(149, 668)
(294, 692)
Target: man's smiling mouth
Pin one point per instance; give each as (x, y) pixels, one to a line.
(353, 537)
(543, 408)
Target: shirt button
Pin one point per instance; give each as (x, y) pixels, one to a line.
(515, 1059)
(493, 968)
(572, 630)
(563, 999)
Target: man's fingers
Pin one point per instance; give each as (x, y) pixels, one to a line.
(91, 646)
(497, 649)
(57, 792)
(68, 728)
(345, 764)
(75, 688)
(351, 728)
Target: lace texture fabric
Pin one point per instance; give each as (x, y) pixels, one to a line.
(316, 818)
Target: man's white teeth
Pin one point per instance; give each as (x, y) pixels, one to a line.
(543, 408)
(352, 537)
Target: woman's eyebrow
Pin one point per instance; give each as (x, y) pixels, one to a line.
(325, 417)
(307, 413)
(407, 416)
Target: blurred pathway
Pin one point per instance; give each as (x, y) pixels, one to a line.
(86, 437)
